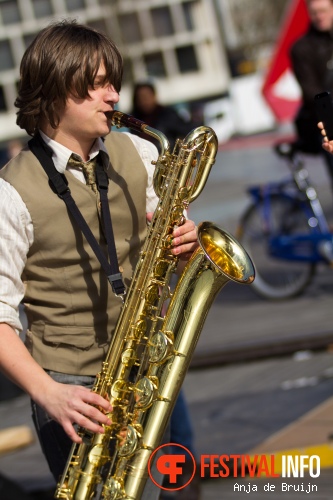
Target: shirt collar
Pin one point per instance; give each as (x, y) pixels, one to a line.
(61, 154)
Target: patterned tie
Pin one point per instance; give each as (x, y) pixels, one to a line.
(88, 170)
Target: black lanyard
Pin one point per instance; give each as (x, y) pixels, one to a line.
(59, 185)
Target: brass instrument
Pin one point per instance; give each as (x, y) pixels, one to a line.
(149, 355)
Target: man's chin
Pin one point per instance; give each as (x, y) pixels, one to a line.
(104, 130)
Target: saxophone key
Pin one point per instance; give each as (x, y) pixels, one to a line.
(152, 294)
(145, 393)
(177, 215)
(130, 439)
(98, 455)
(120, 390)
(160, 348)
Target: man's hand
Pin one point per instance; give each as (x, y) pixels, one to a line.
(327, 145)
(74, 404)
(185, 239)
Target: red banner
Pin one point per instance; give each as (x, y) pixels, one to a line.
(281, 89)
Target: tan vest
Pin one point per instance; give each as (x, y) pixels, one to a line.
(70, 305)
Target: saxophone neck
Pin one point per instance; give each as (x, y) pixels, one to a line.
(120, 119)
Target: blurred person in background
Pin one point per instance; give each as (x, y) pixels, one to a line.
(147, 108)
(12, 149)
(312, 63)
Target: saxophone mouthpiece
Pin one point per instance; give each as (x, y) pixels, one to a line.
(120, 119)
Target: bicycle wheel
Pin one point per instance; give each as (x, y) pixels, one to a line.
(275, 278)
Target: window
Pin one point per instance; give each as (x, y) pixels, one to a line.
(3, 106)
(74, 4)
(28, 39)
(187, 60)
(42, 8)
(128, 75)
(155, 64)
(6, 58)
(188, 15)
(98, 25)
(130, 29)
(162, 22)
(9, 12)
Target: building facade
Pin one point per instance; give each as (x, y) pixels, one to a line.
(177, 43)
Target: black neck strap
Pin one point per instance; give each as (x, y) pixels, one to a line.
(59, 185)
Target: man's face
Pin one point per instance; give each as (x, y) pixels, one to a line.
(85, 119)
(321, 14)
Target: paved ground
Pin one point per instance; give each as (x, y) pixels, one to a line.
(268, 381)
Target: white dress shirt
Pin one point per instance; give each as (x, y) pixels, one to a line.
(17, 232)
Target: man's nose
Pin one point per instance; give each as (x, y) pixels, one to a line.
(111, 94)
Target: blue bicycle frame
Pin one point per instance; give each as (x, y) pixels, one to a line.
(316, 245)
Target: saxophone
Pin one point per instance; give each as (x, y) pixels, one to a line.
(149, 355)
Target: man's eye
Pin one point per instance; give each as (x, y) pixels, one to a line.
(98, 82)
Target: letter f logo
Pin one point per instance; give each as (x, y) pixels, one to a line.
(171, 466)
(167, 465)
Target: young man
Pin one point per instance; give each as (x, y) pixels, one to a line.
(312, 63)
(70, 80)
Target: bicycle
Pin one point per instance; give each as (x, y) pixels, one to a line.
(285, 231)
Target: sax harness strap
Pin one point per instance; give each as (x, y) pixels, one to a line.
(59, 185)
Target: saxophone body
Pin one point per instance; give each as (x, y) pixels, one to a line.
(149, 354)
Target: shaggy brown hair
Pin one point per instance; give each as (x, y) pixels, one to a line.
(63, 59)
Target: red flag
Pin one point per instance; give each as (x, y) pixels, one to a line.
(280, 88)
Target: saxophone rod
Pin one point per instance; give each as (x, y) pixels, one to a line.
(120, 119)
